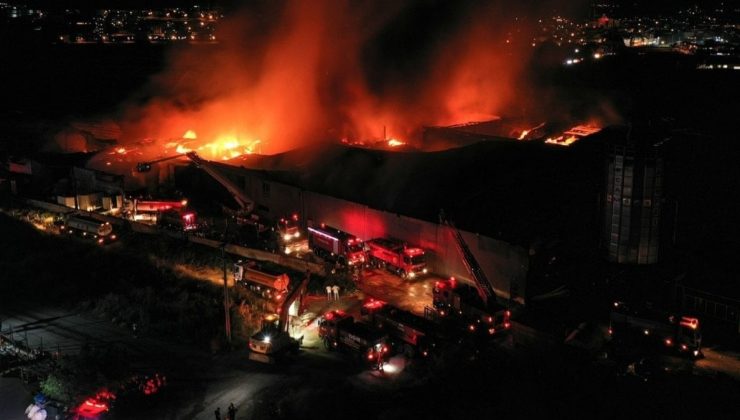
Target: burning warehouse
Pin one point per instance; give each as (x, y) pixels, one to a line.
(513, 201)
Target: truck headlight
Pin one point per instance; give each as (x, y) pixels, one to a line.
(424, 271)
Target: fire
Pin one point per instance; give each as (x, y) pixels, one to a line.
(395, 143)
(223, 148)
(526, 132)
(182, 149)
(573, 135)
(325, 70)
(562, 140)
(119, 151)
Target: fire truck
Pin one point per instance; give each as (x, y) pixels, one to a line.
(462, 303)
(339, 330)
(171, 214)
(660, 329)
(288, 228)
(333, 244)
(87, 227)
(274, 339)
(272, 286)
(178, 219)
(395, 256)
(290, 239)
(409, 333)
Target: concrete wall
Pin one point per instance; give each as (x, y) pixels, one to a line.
(505, 265)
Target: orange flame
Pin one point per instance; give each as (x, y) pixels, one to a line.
(573, 135)
(223, 148)
(309, 79)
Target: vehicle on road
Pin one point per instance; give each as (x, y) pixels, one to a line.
(409, 334)
(338, 330)
(87, 227)
(178, 219)
(272, 286)
(656, 328)
(395, 256)
(462, 304)
(337, 246)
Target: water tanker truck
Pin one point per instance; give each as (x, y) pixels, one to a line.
(88, 227)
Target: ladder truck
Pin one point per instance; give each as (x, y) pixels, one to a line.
(461, 303)
(245, 203)
(338, 330)
(287, 229)
(410, 334)
(659, 329)
(475, 308)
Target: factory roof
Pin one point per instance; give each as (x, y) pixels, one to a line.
(512, 190)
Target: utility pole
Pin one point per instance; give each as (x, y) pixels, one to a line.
(227, 311)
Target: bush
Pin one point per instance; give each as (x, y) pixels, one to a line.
(78, 376)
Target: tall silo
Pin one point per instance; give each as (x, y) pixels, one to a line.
(634, 198)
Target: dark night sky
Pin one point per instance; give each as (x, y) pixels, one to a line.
(649, 6)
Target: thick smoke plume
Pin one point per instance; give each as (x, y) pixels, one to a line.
(309, 71)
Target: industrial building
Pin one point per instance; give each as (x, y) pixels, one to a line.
(634, 199)
(516, 203)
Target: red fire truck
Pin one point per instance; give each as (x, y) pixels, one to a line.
(395, 256)
(184, 220)
(455, 300)
(670, 331)
(340, 331)
(335, 245)
(409, 333)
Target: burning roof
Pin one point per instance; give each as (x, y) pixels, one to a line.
(503, 129)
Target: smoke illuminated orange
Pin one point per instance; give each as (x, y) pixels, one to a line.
(307, 82)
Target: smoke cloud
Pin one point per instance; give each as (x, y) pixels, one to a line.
(291, 74)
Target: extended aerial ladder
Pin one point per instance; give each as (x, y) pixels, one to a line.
(482, 285)
(246, 203)
(147, 166)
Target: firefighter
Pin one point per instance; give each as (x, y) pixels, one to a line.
(217, 413)
(231, 412)
(328, 293)
(335, 289)
(36, 410)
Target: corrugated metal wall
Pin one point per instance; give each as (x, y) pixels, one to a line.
(505, 265)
